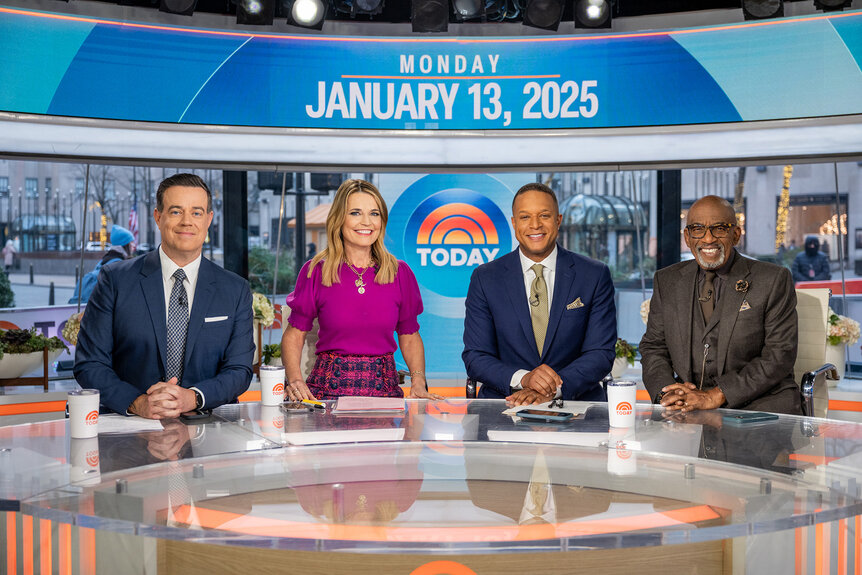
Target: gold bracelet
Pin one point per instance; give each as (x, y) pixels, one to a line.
(417, 372)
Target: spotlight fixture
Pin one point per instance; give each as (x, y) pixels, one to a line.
(255, 12)
(354, 7)
(430, 15)
(307, 13)
(543, 14)
(761, 9)
(832, 5)
(593, 13)
(477, 9)
(184, 7)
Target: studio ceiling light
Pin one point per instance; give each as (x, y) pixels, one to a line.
(185, 7)
(430, 15)
(307, 13)
(760, 9)
(544, 14)
(592, 14)
(255, 12)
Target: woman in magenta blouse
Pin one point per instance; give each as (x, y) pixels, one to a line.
(360, 295)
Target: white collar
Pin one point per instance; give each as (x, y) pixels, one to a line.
(549, 262)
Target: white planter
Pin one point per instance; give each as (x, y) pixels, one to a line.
(836, 355)
(619, 368)
(17, 364)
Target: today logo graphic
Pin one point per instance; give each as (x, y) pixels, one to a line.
(92, 418)
(92, 458)
(278, 388)
(624, 408)
(451, 225)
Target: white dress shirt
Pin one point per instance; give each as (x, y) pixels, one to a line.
(190, 283)
(549, 273)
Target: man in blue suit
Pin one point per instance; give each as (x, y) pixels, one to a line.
(540, 321)
(168, 332)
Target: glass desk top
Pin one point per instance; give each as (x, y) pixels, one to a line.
(444, 476)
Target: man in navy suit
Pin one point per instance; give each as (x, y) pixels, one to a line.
(540, 321)
(168, 332)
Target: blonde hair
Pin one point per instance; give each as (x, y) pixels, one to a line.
(332, 255)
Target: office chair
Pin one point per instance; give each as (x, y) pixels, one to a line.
(812, 310)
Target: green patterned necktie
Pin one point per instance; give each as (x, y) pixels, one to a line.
(539, 306)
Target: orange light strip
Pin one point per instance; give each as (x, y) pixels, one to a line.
(820, 559)
(532, 39)
(857, 545)
(217, 519)
(815, 459)
(87, 544)
(842, 545)
(12, 543)
(249, 396)
(540, 76)
(45, 554)
(35, 407)
(843, 405)
(27, 544)
(65, 549)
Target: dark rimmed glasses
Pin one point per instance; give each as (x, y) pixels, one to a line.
(556, 402)
(698, 231)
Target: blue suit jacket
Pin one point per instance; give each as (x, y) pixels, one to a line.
(121, 347)
(579, 344)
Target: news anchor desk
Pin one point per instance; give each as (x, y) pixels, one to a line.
(448, 487)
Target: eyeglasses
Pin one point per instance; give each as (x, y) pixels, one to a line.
(698, 231)
(556, 402)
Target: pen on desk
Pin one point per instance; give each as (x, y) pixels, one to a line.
(316, 404)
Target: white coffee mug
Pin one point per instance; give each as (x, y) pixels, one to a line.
(271, 385)
(622, 399)
(622, 459)
(83, 408)
(84, 459)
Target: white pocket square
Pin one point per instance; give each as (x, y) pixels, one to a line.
(215, 318)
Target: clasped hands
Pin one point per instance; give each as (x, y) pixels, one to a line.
(538, 386)
(164, 400)
(685, 397)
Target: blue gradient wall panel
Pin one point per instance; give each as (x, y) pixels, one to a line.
(781, 69)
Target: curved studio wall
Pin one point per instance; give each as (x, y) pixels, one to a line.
(81, 87)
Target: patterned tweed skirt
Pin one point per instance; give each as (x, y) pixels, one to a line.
(335, 375)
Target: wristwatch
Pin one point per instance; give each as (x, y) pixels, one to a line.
(199, 400)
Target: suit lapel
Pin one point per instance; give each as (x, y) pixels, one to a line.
(154, 296)
(564, 288)
(731, 300)
(685, 293)
(513, 278)
(203, 295)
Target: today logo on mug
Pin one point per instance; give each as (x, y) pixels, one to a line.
(92, 418)
(624, 408)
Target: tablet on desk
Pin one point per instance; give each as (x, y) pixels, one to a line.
(545, 415)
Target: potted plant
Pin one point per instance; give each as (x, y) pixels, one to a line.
(272, 354)
(264, 316)
(625, 353)
(841, 331)
(21, 351)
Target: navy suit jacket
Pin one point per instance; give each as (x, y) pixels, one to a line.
(121, 347)
(579, 343)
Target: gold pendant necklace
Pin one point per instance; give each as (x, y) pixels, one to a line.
(359, 282)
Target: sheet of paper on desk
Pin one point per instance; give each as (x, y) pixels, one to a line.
(543, 406)
(343, 436)
(353, 404)
(131, 424)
